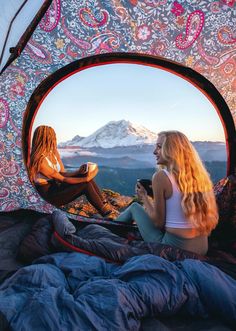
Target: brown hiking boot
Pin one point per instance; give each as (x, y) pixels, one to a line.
(112, 215)
(106, 209)
(109, 212)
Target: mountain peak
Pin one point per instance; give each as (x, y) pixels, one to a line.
(118, 133)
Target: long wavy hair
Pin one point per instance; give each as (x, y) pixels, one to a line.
(44, 143)
(198, 200)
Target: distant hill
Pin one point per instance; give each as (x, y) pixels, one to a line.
(208, 151)
(211, 150)
(123, 180)
(125, 162)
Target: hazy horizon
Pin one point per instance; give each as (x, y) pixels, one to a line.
(58, 142)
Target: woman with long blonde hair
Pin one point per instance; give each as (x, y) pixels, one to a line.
(183, 211)
(56, 185)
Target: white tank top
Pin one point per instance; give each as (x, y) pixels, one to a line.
(174, 213)
(40, 178)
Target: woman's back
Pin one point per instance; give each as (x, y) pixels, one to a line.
(175, 220)
(48, 166)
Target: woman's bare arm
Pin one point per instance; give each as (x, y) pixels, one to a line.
(67, 173)
(156, 209)
(72, 173)
(50, 173)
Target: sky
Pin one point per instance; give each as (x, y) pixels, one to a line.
(144, 95)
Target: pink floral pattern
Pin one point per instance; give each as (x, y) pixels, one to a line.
(4, 112)
(143, 32)
(200, 34)
(229, 3)
(17, 88)
(177, 9)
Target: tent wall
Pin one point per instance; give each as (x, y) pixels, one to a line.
(15, 18)
(197, 34)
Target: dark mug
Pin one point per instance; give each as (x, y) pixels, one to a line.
(147, 184)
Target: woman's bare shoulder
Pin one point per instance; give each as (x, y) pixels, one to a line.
(159, 176)
(161, 184)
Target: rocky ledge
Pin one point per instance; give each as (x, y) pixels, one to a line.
(82, 207)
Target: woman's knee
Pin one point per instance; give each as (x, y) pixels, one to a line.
(135, 206)
(137, 210)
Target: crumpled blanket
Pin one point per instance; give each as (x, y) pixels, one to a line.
(73, 291)
(55, 233)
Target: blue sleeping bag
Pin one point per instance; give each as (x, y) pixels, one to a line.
(73, 291)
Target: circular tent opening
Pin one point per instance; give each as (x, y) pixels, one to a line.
(204, 86)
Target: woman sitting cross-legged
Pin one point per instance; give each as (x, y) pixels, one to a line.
(183, 211)
(55, 184)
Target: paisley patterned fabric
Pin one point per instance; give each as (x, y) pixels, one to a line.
(200, 34)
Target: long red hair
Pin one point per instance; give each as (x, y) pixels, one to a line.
(44, 143)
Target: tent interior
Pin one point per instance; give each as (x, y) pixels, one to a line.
(117, 281)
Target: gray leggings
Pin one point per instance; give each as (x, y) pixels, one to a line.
(150, 233)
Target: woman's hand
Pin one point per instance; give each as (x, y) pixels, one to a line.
(83, 169)
(141, 192)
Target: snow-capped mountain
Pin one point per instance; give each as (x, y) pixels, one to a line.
(74, 142)
(116, 134)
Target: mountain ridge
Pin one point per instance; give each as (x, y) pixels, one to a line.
(120, 134)
(114, 133)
